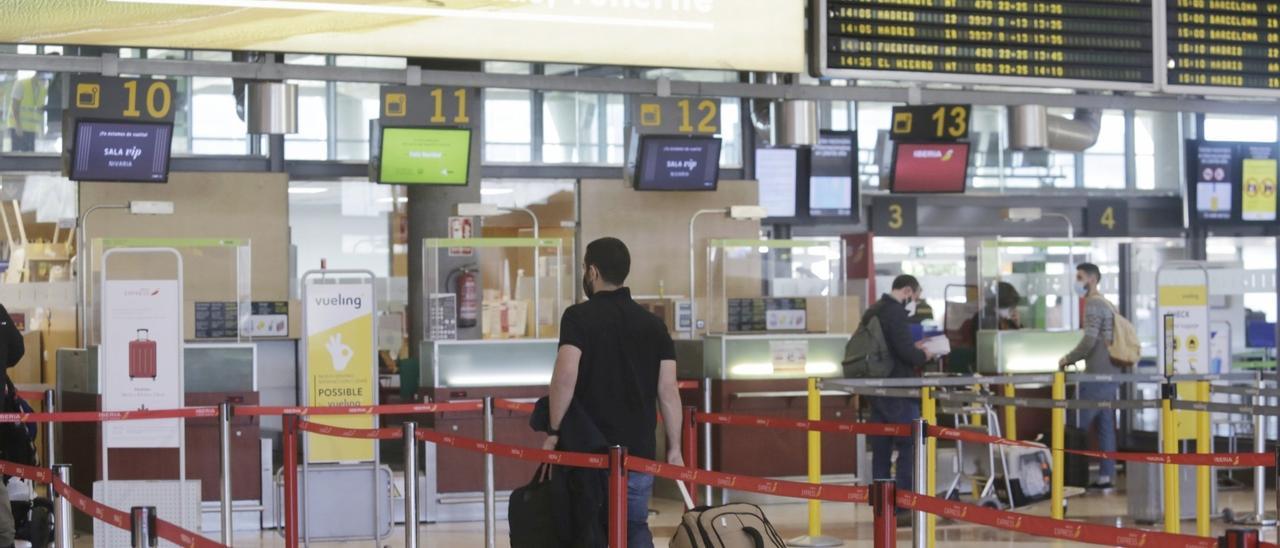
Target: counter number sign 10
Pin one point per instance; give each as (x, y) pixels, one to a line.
(111, 98)
(930, 123)
(677, 115)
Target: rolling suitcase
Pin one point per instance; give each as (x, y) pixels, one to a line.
(1075, 472)
(729, 526)
(142, 356)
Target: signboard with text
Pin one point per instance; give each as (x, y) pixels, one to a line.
(340, 365)
(140, 360)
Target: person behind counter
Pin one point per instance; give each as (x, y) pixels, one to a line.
(1099, 329)
(893, 309)
(616, 361)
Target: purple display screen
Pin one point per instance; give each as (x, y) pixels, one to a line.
(136, 152)
(678, 163)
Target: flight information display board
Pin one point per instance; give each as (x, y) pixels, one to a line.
(1231, 46)
(1088, 44)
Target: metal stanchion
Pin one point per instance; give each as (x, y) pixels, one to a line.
(1260, 472)
(706, 437)
(47, 407)
(1204, 474)
(1057, 437)
(1169, 446)
(490, 516)
(62, 514)
(929, 413)
(290, 449)
(1010, 414)
(224, 461)
(142, 527)
(815, 537)
(617, 497)
(689, 445)
(884, 507)
(919, 527)
(411, 485)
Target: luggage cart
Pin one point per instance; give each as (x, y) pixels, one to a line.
(976, 465)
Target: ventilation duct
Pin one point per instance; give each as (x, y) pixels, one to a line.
(1031, 127)
(796, 123)
(273, 108)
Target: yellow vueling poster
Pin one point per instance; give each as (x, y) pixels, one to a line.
(340, 365)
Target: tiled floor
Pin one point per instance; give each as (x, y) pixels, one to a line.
(844, 521)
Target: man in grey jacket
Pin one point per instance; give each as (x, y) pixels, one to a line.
(1099, 330)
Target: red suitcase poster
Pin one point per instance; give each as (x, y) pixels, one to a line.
(142, 356)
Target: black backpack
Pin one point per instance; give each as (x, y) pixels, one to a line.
(17, 440)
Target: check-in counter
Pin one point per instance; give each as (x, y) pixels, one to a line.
(214, 373)
(767, 375)
(1026, 351)
(515, 369)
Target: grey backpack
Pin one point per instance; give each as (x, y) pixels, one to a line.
(866, 355)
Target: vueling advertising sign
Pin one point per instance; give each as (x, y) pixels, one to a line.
(340, 364)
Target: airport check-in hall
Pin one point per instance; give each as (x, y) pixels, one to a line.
(639, 273)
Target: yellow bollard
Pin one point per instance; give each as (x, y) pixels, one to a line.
(1204, 441)
(1169, 434)
(1058, 421)
(1010, 414)
(929, 412)
(815, 458)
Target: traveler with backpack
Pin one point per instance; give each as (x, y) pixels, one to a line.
(1109, 343)
(882, 348)
(15, 445)
(616, 368)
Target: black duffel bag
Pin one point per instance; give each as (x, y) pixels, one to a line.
(530, 513)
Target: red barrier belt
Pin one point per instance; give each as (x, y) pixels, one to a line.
(396, 409)
(688, 385)
(31, 396)
(1049, 527)
(1222, 460)
(104, 416)
(794, 489)
(838, 427)
(518, 407)
(353, 433)
(102, 512)
(578, 460)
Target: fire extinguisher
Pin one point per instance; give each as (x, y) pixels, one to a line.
(468, 291)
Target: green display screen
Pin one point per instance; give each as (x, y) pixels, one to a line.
(425, 156)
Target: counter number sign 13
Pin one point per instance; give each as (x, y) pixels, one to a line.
(111, 98)
(930, 123)
(677, 115)
(894, 216)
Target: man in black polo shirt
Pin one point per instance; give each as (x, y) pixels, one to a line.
(616, 363)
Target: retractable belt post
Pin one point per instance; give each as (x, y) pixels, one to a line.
(929, 415)
(814, 538)
(410, 484)
(290, 449)
(1057, 435)
(884, 498)
(47, 407)
(689, 445)
(490, 510)
(617, 497)
(1204, 442)
(142, 527)
(62, 513)
(1169, 446)
(919, 527)
(224, 476)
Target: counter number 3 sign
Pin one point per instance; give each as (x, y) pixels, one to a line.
(894, 216)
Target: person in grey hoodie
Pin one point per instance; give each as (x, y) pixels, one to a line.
(1099, 330)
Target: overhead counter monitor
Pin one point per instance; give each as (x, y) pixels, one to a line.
(1223, 46)
(1103, 44)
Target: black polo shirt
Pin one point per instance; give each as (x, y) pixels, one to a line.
(622, 346)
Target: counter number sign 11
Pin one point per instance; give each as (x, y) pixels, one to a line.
(930, 123)
(111, 98)
(677, 115)
(427, 106)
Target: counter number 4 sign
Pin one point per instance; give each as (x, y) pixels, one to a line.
(1107, 217)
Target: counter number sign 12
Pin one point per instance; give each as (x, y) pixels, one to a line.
(111, 98)
(677, 115)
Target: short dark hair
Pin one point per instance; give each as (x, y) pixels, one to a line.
(906, 281)
(1090, 269)
(611, 257)
(1006, 295)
